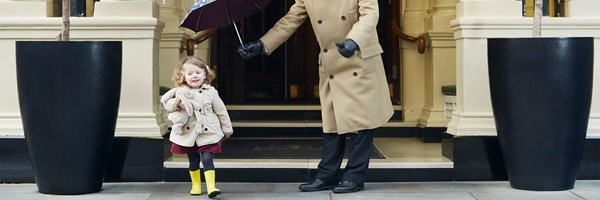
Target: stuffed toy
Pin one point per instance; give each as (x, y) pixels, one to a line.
(181, 116)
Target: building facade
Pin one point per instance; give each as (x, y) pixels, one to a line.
(454, 33)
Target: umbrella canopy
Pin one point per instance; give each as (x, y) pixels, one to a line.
(205, 14)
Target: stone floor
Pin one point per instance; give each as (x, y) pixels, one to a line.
(584, 189)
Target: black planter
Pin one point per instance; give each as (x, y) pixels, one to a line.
(69, 99)
(541, 91)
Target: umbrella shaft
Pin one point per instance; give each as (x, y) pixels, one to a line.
(238, 34)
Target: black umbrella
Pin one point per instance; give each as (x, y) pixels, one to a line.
(205, 14)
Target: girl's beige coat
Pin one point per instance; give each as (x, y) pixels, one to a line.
(207, 125)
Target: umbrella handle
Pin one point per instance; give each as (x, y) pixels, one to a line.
(238, 34)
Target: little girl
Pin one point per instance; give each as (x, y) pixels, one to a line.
(209, 122)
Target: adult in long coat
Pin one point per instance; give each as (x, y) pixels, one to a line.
(352, 84)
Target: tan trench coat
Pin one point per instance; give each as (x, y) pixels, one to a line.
(353, 91)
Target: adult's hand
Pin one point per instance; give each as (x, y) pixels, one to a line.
(251, 49)
(347, 47)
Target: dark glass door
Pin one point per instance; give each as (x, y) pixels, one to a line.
(290, 74)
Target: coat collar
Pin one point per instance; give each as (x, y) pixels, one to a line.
(203, 87)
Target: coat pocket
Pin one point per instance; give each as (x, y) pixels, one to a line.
(211, 117)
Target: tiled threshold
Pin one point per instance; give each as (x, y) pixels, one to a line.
(398, 163)
(400, 153)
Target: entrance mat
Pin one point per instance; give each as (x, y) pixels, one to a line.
(279, 149)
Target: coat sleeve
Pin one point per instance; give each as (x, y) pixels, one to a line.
(221, 111)
(285, 27)
(168, 100)
(362, 31)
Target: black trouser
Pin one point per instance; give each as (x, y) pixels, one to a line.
(358, 159)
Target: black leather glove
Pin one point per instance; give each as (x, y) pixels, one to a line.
(251, 49)
(347, 47)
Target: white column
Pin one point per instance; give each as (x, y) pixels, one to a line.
(185, 4)
(22, 8)
(440, 62)
(473, 114)
(170, 44)
(126, 8)
(478, 20)
(171, 13)
(11, 12)
(588, 10)
(170, 41)
(140, 92)
(441, 12)
(480, 8)
(582, 8)
(139, 32)
(413, 63)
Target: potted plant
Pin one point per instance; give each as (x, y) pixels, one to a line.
(541, 96)
(69, 98)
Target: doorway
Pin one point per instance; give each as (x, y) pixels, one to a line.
(290, 74)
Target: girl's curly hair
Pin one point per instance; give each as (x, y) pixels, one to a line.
(179, 76)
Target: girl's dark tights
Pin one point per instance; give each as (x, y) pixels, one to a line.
(207, 161)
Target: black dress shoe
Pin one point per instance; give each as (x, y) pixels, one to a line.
(316, 185)
(347, 187)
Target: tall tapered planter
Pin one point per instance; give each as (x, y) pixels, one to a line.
(541, 91)
(69, 98)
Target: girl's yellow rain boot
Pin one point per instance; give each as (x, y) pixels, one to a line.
(209, 177)
(196, 183)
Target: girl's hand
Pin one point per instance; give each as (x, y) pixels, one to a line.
(227, 135)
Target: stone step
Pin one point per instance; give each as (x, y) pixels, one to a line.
(403, 159)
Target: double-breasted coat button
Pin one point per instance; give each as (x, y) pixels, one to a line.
(205, 129)
(330, 76)
(200, 91)
(200, 110)
(355, 74)
(188, 128)
(325, 50)
(343, 17)
(319, 22)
